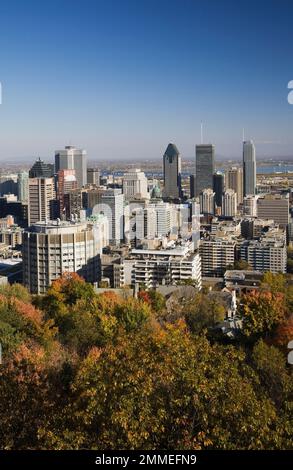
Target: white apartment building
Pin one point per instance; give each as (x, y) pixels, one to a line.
(150, 268)
(53, 248)
(229, 203)
(207, 201)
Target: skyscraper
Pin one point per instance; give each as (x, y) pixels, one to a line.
(234, 180)
(218, 187)
(204, 167)
(249, 168)
(93, 176)
(41, 195)
(109, 202)
(66, 182)
(172, 172)
(135, 185)
(207, 201)
(53, 248)
(22, 186)
(40, 169)
(72, 158)
(230, 203)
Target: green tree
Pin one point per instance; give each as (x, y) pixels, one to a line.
(203, 312)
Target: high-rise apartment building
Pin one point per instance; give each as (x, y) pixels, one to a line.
(249, 168)
(72, 158)
(265, 254)
(229, 203)
(172, 172)
(216, 254)
(54, 248)
(207, 201)
(166, 266)
(204, 167)
(135, 185)
(234, 180)
(41, 196)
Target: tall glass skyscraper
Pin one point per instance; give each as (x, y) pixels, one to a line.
(218, 187)
(249, 168)
(204, 167)
(172, 172)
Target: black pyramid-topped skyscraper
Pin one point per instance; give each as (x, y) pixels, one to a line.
(172, 172)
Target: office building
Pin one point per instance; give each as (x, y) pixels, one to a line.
(144, 223)
(72, 158)
(204, 167)
(230, 203)
(249, 168)
(218, 187)
(56, 247)
(8, 184)
(19, 210)
(109, 202)
(234, 180)
(93, 176)
(135, 185)
(172, 172)
(250, 206)
(41, 195)
(274, 206)
(22, 186)
(40, 169)
(66, 183)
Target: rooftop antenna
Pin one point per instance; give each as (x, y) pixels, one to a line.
(243, 139)
(201, 133)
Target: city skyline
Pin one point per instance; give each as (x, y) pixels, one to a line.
(113, 88)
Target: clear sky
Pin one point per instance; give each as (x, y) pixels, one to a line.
(122, 78)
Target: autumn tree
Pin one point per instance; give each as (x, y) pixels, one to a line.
(262, 312)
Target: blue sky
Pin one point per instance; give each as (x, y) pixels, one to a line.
(123, 78)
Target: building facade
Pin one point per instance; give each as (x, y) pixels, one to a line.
(72, 158)
(172, 172)
(135, 185)
(249, 168)
(229, 203)
(41, 195)
(204, 167)
(234, 180)
(52, 249)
